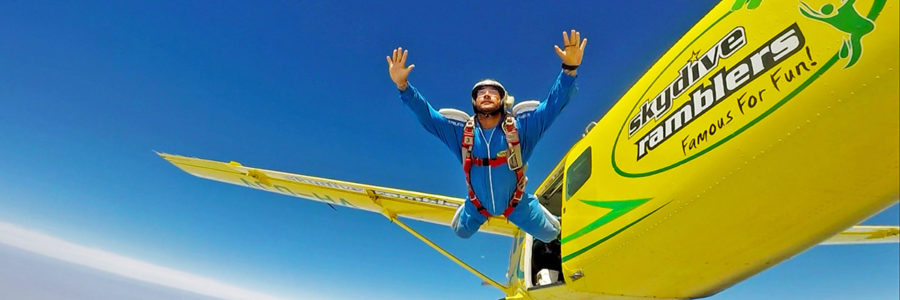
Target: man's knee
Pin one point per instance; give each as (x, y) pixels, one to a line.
(465, 223)
(537, 221)
(547, 234)
(554, 220)
(462, 232)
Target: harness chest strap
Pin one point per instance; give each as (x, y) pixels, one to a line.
(513, 159)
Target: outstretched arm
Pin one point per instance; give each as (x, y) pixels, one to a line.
(537, 122)
(398, 69)
(431, 119)
(572, 52)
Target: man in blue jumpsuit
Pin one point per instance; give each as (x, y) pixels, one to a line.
(494, 185)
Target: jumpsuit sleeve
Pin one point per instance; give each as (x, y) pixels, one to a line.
(535, 123)
(447, 131)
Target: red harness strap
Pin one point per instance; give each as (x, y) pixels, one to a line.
(512, 141)
(493, 162)
(467, 141)
(517, 195)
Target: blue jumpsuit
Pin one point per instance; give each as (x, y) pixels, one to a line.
(495, 185)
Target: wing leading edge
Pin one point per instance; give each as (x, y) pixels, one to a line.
(866, 234)
(408, 204)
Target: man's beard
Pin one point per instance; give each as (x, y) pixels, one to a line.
(483, 113)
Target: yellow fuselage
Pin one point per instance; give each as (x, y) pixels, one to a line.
(762, 132)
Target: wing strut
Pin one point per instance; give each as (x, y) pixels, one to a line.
(393, 217)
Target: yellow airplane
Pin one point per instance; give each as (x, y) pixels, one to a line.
(768, 128)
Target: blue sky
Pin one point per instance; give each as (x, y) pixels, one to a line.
(89, 90)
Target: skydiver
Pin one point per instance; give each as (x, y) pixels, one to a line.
(493, 145)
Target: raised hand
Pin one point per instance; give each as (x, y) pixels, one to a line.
(573, 49)
(398, 69)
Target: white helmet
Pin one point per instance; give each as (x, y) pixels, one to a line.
(488, 82)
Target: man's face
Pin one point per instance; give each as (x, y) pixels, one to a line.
(487, 99)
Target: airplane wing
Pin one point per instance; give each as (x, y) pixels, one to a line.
(865, 234)
(413, 205)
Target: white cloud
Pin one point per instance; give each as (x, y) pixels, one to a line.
(116, 264)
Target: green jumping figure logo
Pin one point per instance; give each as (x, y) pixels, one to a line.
(845, 19)
(751, 4)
